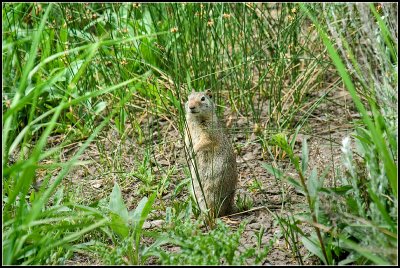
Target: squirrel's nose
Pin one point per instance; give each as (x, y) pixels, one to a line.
(192, 107)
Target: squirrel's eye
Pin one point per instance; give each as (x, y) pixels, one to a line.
(203, 98)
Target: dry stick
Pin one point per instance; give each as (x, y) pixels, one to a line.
(254, 209)
(243, 212)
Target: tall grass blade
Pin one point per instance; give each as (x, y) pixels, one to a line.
(390, 166)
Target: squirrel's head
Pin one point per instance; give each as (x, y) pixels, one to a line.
(199, 104)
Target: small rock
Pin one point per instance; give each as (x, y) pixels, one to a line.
(242, 121)
(265, 240)
(97, 183)
(255, 226)
(253, 137)
(249, 245)
(251, 220)
(239, 137)
(248, 156)
(163, 162)
(153, 224)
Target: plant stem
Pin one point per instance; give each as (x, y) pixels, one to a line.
(314, 218)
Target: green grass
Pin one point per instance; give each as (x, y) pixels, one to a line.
(89, 89)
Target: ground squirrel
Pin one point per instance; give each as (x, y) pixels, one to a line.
(210, 156)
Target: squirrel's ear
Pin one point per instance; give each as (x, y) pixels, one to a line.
(209, 93)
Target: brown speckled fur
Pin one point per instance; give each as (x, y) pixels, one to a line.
(213, 156)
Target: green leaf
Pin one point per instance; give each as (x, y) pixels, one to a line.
(304, 158)
(296, 184)
(313, 184)
(293, 141)
(71, 117)
(154, 248)
(118, 225)
(168, 215)
(134, 216)
(352, 204)
(273, 171)
(138, 217)
(100, 107)
(142, 210)
(382, 209)
(117, 204)
(180, 186)
(32, 196)
(117, 124)
(366, 252)
(58, 196)
(63, 34)
(313, 248)
(280, 139)
(340, 190)
(386, 33)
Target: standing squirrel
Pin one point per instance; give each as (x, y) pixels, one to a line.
(212, 161)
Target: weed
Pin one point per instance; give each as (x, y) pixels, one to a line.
(244, 203)
(216, 247)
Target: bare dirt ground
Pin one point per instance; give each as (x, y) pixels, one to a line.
(325, 129)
